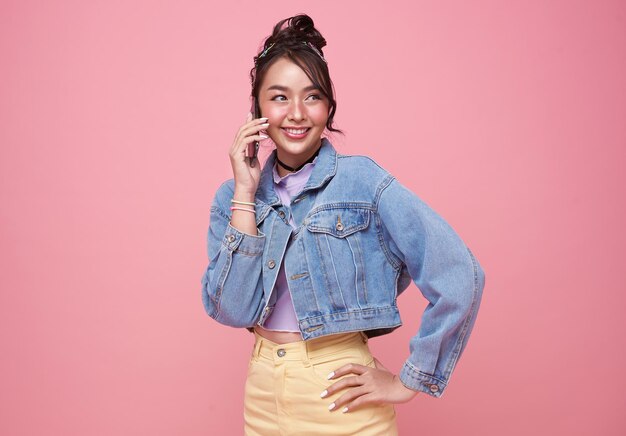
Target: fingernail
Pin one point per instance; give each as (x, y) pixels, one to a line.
(331, 407)
(345, 409)
(331, 375)
(264, 118)
(265, 124)
(323, 394)
(264, 137)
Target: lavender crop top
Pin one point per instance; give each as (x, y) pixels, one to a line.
(283, 317)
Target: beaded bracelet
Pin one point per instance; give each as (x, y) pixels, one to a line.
(242, 208)
(242, 202)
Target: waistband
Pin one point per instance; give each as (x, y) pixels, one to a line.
(305, 350)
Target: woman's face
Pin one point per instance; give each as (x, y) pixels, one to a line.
(297, 111)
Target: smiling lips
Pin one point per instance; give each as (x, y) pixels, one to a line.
(295, 133)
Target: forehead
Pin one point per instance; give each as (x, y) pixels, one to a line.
(286, 73)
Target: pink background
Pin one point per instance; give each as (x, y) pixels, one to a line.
(508, 118)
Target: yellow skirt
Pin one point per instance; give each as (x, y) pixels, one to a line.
(284, 383)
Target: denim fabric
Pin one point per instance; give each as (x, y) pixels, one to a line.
(361, 238)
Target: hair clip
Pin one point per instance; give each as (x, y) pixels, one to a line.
(314, 49)
(307, 43)
(265, 51)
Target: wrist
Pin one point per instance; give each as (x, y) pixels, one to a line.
(243, 195)
(411, 393)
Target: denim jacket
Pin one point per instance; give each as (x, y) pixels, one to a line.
(361, 238)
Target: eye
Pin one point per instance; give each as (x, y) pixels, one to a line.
(276, 97)
(316, 96)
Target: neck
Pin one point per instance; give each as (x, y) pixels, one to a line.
(291, 165)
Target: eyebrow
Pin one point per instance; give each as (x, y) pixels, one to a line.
(285, 88)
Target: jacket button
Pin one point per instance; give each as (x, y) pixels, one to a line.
(339, 226)
(230, 238)
(281, 352)
(434, 388)
(271, 264)
(281, 214)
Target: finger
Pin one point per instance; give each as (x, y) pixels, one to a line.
(242, 145)
(362, 401)
(342, 384)
(246, 131)
(254, 127)
(253, 122)
(350, 368)
(348, 397)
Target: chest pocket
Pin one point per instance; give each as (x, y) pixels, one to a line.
(337, 246)
(339, 222)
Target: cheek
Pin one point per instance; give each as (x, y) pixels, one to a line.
(319, 114)
(275, 114)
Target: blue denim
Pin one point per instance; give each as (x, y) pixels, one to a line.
(361, 238)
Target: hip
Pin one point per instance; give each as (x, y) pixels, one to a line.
(284, 383)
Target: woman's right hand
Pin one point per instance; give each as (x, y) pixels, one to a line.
(246, 176)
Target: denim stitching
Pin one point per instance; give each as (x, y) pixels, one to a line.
(395, 262)
(330, 253)
(219, 212)
(395, 286)
(349, 229)
(317, 304)
(247, 252)
(421, 375)
(358, 270)
(323, 268)
(362, 264)
(342, 205)
(391, 258)
(359, 311)
(220, 283)
(459, 344)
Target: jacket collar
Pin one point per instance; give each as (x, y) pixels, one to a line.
(324, 170)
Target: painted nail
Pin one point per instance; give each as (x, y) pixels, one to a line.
(264, 137)
(323, 394)
(265, 124)
(331, 375)
(331, 407)
(264, 119)
(345, 409)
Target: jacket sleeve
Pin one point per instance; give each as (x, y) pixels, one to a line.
(422, 244)
(232, 285)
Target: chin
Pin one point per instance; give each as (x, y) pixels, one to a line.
(296, 149)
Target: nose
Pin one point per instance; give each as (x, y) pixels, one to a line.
(297, 111)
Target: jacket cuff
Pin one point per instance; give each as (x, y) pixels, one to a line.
(243, 243)
(413, 378)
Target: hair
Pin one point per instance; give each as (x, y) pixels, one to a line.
(288, 42)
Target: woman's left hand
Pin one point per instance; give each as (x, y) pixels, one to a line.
(369, 386)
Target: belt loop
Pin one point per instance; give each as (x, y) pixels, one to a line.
(257, 347)
(305, 354)
(364, 336)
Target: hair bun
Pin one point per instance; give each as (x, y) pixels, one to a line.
(298, 29)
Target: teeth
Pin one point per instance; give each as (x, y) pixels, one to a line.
(296, 131)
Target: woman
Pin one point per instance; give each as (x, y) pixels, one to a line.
(310, 253)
